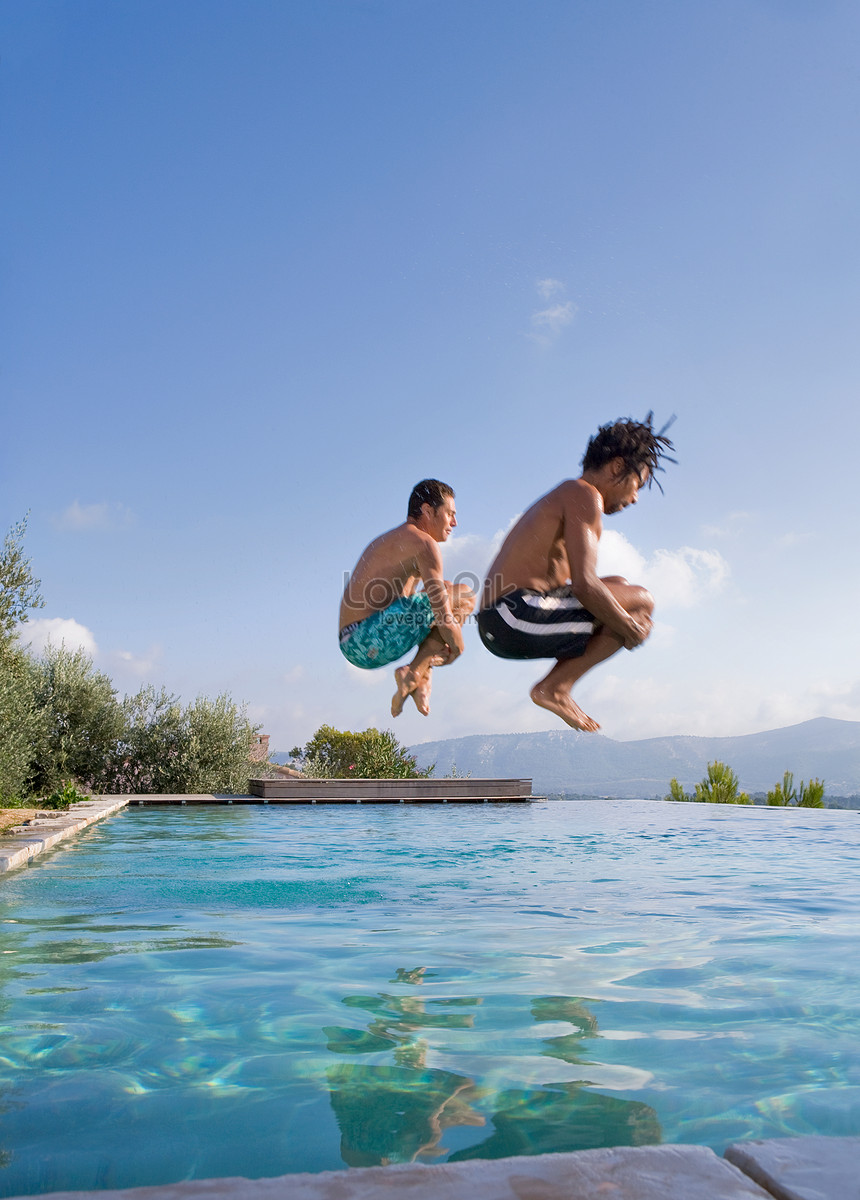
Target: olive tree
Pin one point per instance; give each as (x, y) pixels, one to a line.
(19, 590)
(82, 721)
(23, 724)
(165, 747)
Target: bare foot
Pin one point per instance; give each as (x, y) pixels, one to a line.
(564, 707)
(407, 682)
(421, 695)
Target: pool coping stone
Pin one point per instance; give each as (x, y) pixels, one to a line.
(622, 1173)
(805, 1168)
(19, 847)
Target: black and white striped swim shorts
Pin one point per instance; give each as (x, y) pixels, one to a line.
(531, 624)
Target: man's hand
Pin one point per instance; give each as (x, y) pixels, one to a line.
(452, 635)
(639, 631)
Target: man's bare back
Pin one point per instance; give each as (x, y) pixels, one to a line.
(543, 597)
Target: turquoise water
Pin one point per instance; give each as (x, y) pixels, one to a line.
(187, 993)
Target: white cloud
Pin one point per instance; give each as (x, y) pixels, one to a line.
(681, 578)
(138, 666)
(549, 322)
(731, 527)
(294, 675)
(617, 556)
(58, 631)
(791, 539)
(547, 288)
(79, 516)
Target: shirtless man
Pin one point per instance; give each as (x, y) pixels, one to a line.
(383, 614)
(543, 597)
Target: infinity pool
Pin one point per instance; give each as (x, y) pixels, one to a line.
(187, 993)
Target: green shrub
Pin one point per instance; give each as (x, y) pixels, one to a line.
(332, 754)
(83, 721)
(676, 792)
(720, 786)
(23, 724)
(164, 747)
(783, 793)
(63, 797)
(811, 794)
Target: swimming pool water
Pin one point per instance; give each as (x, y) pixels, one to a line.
(187, 993)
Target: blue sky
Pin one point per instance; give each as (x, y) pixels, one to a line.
(265, 265)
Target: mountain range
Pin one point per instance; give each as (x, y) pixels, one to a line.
(567, 762)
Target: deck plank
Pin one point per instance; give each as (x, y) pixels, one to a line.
(391, 791)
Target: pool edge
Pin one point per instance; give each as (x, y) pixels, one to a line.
(17, 849)
(768, 1169)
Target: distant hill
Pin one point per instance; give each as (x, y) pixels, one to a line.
(566, 761)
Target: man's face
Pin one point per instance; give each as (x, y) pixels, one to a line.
(624, 488)
(441, 520)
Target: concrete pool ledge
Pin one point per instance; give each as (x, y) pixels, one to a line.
(23, 842)
(805, 1168)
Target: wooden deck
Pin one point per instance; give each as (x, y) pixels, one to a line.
(392, 791)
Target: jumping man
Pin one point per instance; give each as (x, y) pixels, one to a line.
(384, 614)
(543, 597)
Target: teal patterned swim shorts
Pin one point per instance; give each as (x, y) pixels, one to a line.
(387, 635)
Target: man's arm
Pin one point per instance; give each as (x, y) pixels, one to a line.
(429, 562)
(583, 523)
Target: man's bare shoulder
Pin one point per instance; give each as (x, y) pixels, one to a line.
(406, 539)
(572, 495)
(405, 536)
(580, 499)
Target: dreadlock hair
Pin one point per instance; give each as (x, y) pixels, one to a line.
(634, 442)
(428, 491)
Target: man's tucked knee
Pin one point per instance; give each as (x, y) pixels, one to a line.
(462, 599)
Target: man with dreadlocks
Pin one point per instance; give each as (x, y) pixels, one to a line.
(543, 598)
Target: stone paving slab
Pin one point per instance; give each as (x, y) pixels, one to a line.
(642, 1173)
(17, 848)
(803, 1168)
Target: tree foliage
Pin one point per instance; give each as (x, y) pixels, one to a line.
(204, 747)
(783, 794)
(371, 754)
(720, 786)
(83, 721)
(809, 795)
(19, 590)
(23, 725)
(676, 792)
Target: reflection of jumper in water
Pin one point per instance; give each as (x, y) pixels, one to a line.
(388, 634)
(399, 1113)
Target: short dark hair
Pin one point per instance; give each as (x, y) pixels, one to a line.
(634, 442)
(428, 491)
